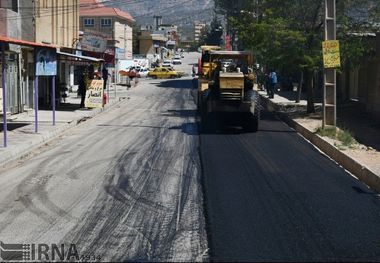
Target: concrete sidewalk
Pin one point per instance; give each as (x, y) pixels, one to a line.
(362, 160)
(22, 138)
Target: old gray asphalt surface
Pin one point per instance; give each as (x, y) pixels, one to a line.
(271, 196)
(124, 186)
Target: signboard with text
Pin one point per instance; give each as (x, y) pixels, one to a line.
(331, 54)
(94, 42)
(94, 94)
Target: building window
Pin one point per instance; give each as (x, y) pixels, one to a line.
(106, 22)
(15, 6)
(89, 22)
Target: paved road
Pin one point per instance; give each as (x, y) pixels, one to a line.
(271, 196)
(124, 186)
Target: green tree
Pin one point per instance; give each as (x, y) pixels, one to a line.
(287, 34)
(213, 33)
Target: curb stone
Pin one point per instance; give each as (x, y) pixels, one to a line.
(13, 154)
(362, 172)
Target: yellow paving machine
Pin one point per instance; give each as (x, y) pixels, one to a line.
(226, 84)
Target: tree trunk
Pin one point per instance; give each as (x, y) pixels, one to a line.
(310, 91)
(299, 89)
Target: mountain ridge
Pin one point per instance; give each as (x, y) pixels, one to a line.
(182, 13)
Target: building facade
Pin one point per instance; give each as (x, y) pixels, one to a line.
(53, 22)
(362, 84)
(199, 27)
(114, 25)
(152, 43)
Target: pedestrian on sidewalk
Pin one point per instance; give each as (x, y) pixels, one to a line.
(273, 83)
(105, 75)
(82, 89)
(267, 82)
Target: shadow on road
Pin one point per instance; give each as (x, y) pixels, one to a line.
(232, 124)
(12, 126)
(176, 84)
(188, 128)
(182, 113)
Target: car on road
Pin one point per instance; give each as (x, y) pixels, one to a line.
(164, 73)
(143, 72)
(167, 63)
(177, 60)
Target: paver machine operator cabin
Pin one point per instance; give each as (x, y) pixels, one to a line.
(226, 84)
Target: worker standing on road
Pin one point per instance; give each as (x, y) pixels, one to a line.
(82, 88)
(105, 75)
(273, 83)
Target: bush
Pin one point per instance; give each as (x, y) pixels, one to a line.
(343, 136)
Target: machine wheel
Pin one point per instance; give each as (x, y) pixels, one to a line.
(154, 77)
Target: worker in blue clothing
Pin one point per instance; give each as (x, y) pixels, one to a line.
(272, 83)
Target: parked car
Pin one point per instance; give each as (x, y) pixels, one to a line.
(177, 60)
(167, 63)
(163, 73)
(143, 72)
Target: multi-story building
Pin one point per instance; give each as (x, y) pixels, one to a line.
(157, 44)
(199, 27)
(108, 27)
(171, 32)
(44, 21)
(152, 43)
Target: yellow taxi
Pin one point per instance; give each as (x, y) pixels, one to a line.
(164, 73)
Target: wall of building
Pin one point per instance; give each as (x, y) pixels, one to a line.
(363, 84)
(123, 37)
(27, 20)
(97, 25)
(369, 83)
(10, 22)
(10, 26)
(120, 31)
(57, 22)
(146, 46)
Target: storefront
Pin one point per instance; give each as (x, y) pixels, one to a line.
(11, 95)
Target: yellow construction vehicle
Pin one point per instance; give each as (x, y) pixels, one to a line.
(229, 86)
(205, 63)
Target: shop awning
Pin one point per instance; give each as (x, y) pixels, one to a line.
(92, 59)
(19, 42)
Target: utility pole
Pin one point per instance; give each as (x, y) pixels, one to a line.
(329, 91)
